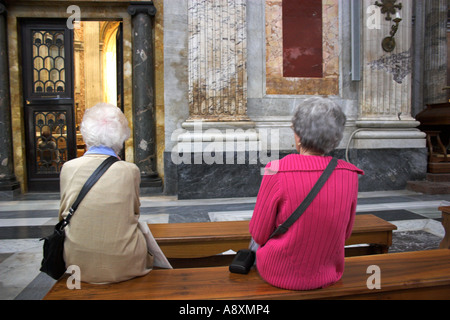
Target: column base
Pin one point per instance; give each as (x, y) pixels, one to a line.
(9, 189)
(209, 137)
(193, 124)
(387, 123)
(389, 134)
(151, 184)
(219, 159)
(370, 138)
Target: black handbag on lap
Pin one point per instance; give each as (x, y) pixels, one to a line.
(245, 258)
(53, 262)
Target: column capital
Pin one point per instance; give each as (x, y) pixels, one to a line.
(146, 7)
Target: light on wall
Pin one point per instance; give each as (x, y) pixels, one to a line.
(389, 7)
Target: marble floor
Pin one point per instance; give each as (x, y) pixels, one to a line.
(24, 221)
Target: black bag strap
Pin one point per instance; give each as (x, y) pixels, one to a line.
(87, 186)
(283, 228)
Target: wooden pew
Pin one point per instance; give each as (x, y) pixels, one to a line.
(197, 244)
(411, 275)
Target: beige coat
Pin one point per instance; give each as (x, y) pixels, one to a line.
(103, 237)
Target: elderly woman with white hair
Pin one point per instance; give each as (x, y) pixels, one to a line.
(103, 239)
(310, 255)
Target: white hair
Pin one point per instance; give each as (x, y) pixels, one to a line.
(105, 125)
(319, 122)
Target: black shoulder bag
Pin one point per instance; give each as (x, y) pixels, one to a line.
(53, 262)
(245, 258)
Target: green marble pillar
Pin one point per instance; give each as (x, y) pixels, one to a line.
(144, 121)
(9, 187)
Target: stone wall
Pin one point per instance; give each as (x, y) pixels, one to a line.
(378, 107)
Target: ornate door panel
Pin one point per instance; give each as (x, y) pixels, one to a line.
(47, 52)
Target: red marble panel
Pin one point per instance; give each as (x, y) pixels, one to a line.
(302, 39)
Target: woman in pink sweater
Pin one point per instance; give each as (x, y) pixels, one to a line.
(310, 255)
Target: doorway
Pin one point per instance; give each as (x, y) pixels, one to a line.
(64, 72)
(98, 68)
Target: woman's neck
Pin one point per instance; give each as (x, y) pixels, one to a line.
(310, 153)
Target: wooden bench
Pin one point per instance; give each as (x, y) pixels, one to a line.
(198, 244)
(411, 275)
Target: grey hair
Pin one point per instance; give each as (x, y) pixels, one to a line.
(105, 125)
(319, 122)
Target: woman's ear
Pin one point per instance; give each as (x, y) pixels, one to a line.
(298, 142)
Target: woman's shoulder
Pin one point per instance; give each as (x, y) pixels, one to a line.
(348, 166)
(95, 161)
(125, 167)
(126, 164)
(296, 162)
(73, 164)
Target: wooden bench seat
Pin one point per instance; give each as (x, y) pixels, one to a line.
(411, 275)
(206, 239)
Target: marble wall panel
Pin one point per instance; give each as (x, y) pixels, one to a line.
(276, 84)
(302, 39)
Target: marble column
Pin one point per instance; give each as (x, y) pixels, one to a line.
(217, 60)
(217, 71)
(385, 91)
(144, 122)
(9, 187)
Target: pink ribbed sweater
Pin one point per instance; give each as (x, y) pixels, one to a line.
(311, 254)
